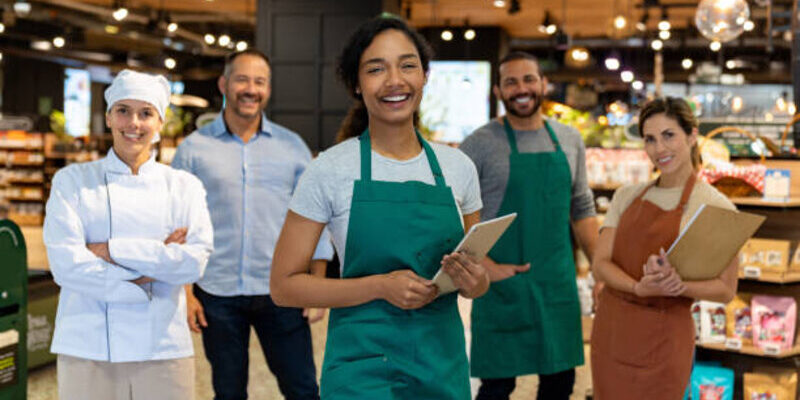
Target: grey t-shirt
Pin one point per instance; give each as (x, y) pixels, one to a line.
(325, 190)
(489, 150)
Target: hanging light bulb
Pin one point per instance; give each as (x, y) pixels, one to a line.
(663, 24)
(224, 40)
(209, 38)
(664, 35)
(59, 42)
(499, 3)
(170, 63)
(637, 85)
(469, 34)
(722, 20)
(612, 63)
(657, 45)
(715, 46)
(626, 76)
(241, 45)
(172, 27)
(687, 63)
(620, 22)
(447, 35)
(120, 13)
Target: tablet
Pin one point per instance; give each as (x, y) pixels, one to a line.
(476, 244)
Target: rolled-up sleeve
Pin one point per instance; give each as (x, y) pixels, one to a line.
(173, 263)
(72, 264)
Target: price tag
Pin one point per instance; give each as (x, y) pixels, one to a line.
(772, 349)
(752, 272)
(733, 344)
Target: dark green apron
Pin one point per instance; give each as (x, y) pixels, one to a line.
(530, 323)
(376, 351)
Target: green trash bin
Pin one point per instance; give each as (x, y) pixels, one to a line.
(13, 313)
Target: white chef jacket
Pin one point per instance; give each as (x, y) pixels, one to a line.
(101, 315)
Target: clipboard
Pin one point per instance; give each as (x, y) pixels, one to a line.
(476, 244)
(711, 239)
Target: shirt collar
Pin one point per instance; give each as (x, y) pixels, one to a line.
(218, 127)
(114, 164)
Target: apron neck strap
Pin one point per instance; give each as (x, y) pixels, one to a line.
(366, 158)
(687, 190)
(512, 138)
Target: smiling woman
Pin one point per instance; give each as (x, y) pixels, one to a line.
(424, 195)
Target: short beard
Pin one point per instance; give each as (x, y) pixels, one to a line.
(537, 103)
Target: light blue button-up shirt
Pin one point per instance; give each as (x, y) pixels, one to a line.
(248, 187)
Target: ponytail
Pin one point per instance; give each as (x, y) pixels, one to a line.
(354, 123)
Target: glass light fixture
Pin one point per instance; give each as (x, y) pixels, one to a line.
(722, 20)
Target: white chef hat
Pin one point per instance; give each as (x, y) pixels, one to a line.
(132, 85)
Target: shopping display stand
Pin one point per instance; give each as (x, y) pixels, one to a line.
(13, 313)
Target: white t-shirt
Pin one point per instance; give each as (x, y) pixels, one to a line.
(325, 190)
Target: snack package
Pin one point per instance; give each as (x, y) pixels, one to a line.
(709, 382)
(739, 318)
(766, 254)
(696, 318)
(774, 319)
(712, 322)
(770, 386)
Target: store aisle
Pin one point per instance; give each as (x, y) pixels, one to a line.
(262, 385)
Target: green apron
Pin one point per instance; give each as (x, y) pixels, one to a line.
(530, 323)
(376, 351)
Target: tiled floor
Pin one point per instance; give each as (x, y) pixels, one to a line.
(262, 385)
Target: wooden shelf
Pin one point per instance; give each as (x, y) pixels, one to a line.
(26, 164)
(751, 350)
(23, 148)
(28, 199)
(774, 277)
(25, 181)
(759, 202)
(607, 187)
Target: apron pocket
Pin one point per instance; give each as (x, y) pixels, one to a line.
(507, 307)
(364, 378)
(637, 334)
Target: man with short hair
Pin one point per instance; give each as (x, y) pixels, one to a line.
(249, 166)
(529, 321)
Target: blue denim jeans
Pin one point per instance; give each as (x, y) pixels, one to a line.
(284, 336)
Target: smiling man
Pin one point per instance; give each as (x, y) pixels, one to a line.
(249, 166)
(529, 321)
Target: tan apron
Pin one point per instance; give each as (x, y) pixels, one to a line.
(642, 347)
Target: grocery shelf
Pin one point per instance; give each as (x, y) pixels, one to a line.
(772, 277)
(759, 202)
(26, 164)
(608, 187)
(752, 350)
(28, 199)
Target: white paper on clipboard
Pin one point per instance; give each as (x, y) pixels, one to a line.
(476, 244)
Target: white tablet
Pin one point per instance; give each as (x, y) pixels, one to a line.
(476, 244)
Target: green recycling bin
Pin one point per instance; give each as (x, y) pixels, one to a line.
(13, 313)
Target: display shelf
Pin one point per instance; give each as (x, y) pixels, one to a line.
(28, 199)
(606, 187)
(752, 350)
(21, 148)
(25, 181)
(25, 164)
(771, 276)
(759, 202)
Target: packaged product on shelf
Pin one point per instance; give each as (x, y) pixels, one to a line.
(712, 322)
(774, 319)
(739, 318)
(770, 385)
(710, 382)
(766, 254)
(696, 318)
(795, 264)
(615, 167)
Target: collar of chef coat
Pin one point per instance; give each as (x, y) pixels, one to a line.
(115, 165)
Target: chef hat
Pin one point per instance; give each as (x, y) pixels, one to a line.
(132, 85)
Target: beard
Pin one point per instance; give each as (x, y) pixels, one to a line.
(509, 104)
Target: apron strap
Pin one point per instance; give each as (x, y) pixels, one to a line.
(512, 138)
(366, 158)
(687, 190)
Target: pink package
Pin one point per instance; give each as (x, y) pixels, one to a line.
(774, 319)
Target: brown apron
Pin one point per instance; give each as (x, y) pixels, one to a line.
(642, 346)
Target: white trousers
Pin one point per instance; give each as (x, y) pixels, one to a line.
(82, 379)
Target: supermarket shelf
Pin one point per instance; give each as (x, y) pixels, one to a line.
(772, 277)
(606, 187)
(752, 350)
(26, 164)
(759, 202)
(25, 181)
(28, 199)
(22, 148)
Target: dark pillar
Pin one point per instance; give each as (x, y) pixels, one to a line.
(303, 38)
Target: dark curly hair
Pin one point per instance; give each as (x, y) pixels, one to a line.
(357, 118)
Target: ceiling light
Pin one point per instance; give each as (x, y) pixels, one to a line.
(2, 27)
(663, 24)
(241, 46)
(447, 35)
(224, 40)
(641, 27)
(22, 8)
(548, 24)
(209, 38)
(620, 22)
(499, 3)
(59, 42)
(172, 27)
(637, 85)
(111, 29)
(170, 63)
(43, 45)
(626, 76)
(715, 46)
(612, 63)
(749, 25)
(687, 63)
(730, 64)
(469, 34)
(120, 13)
(657, 44)
(664, 35)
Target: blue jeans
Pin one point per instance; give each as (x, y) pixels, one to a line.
(284, 336)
